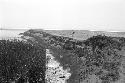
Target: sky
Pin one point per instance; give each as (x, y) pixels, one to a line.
(106, 15)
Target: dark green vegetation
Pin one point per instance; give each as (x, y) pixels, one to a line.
(106, 55)
(102, 58)
(98, 55)
(21, 62)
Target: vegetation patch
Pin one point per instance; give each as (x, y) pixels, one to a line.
(21, 62)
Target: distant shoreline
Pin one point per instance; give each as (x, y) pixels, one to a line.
(10, 34)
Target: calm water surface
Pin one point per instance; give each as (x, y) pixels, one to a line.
(4, 34)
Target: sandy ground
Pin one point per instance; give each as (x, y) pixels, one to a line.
(54, 72)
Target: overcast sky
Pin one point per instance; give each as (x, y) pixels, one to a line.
(63, 14)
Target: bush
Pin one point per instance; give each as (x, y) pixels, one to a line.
(18, 58)
(101, 52)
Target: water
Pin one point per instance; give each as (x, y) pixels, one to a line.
(6, 34)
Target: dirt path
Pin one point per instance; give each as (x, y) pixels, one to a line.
(55, 73)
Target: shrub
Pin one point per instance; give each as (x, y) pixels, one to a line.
(20, 61)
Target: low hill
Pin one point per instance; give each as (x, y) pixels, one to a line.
(86, 53)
